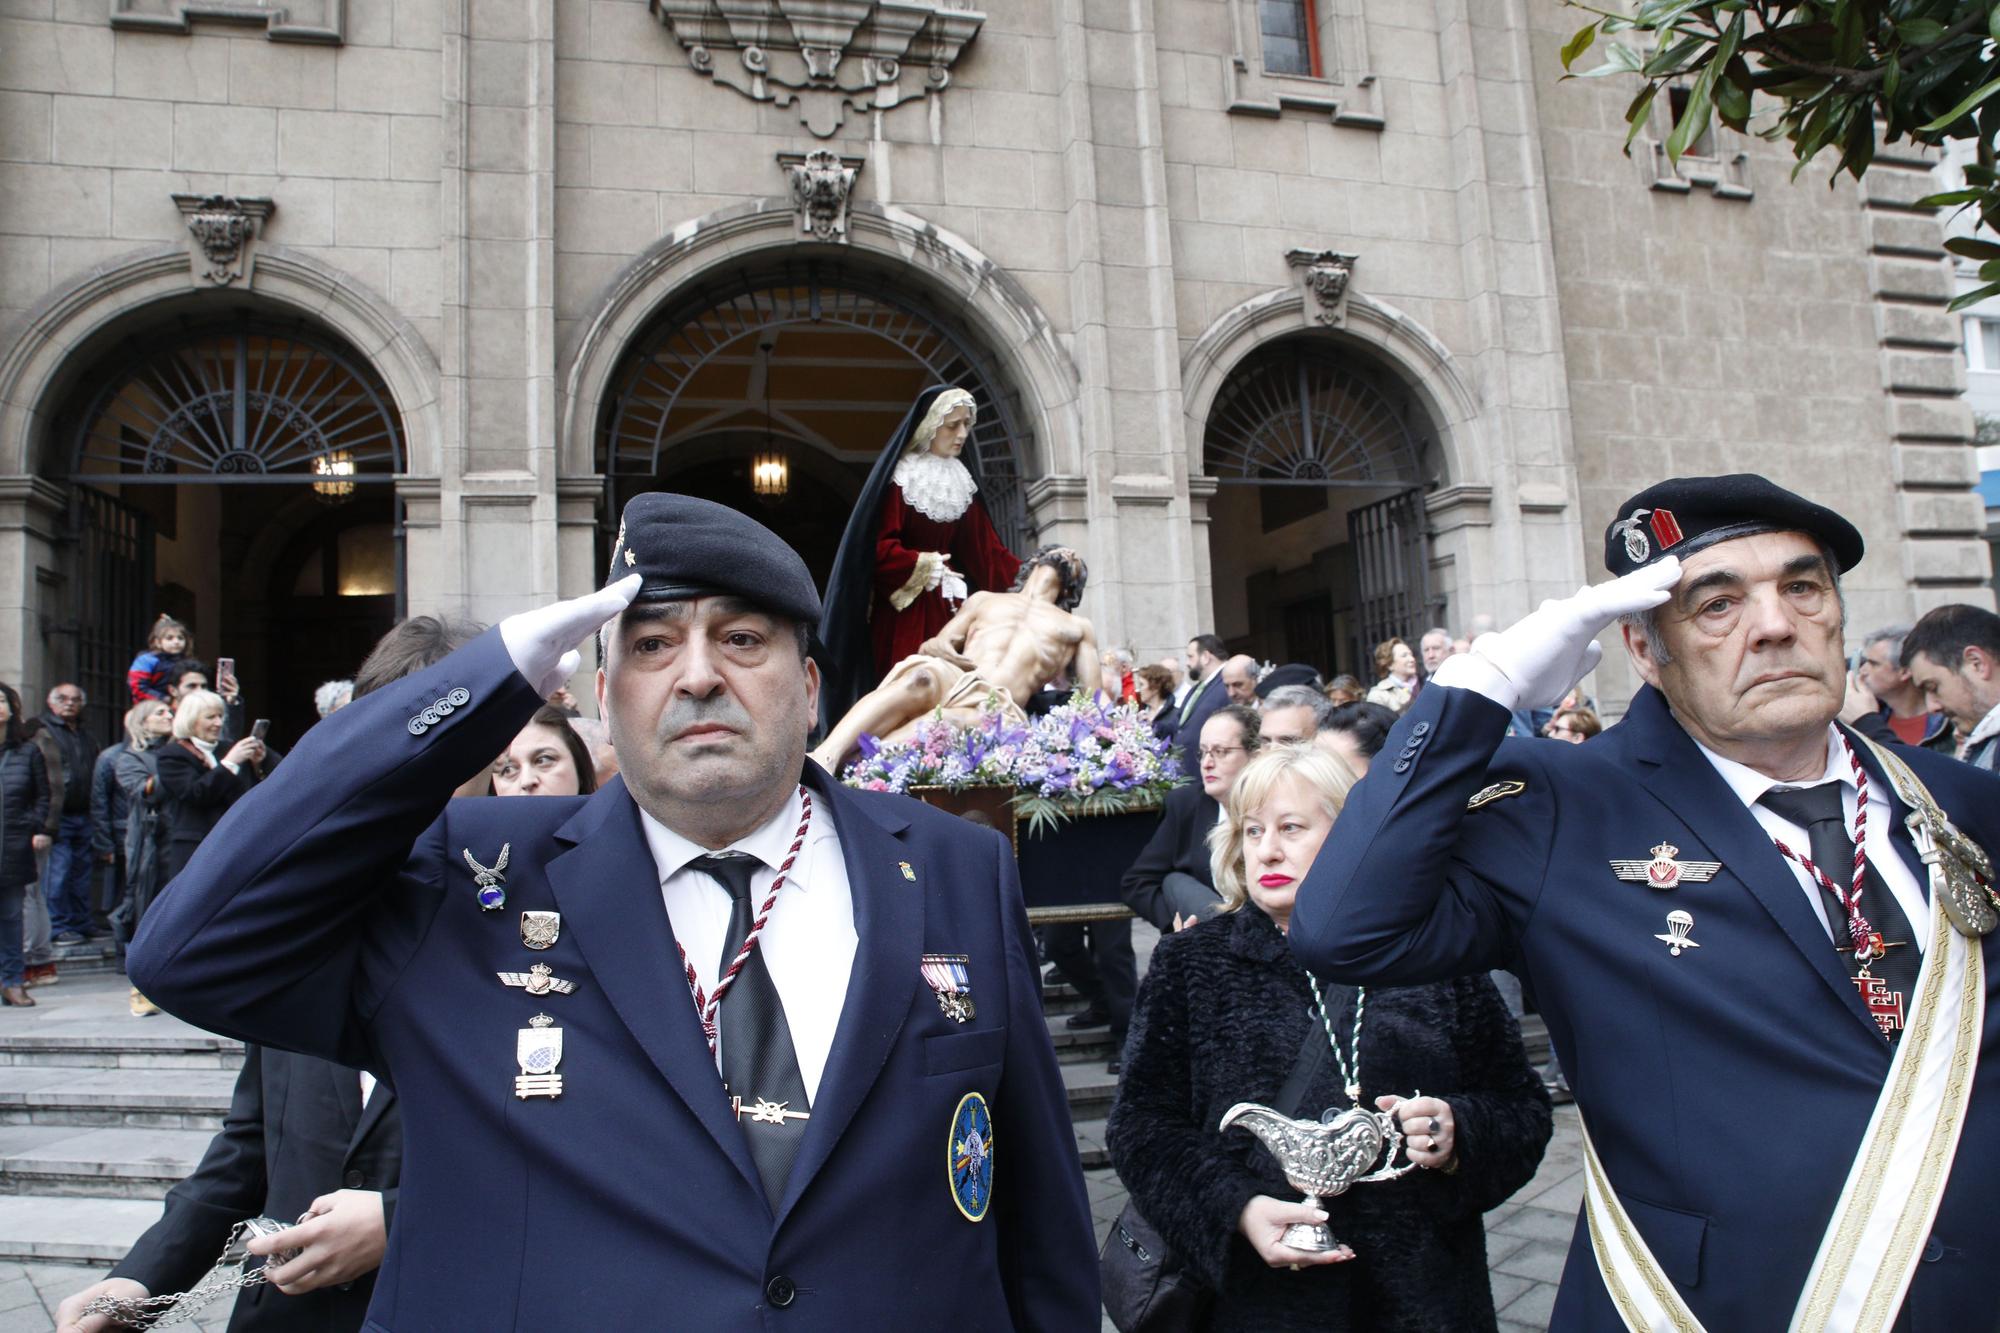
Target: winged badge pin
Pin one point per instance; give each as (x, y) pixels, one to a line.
(1664, 871)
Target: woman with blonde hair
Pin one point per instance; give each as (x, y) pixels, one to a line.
(1225, 1015)
(1396, 667)
(199, 784)
(149, 725)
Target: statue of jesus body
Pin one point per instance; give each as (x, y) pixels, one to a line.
(1005, 644)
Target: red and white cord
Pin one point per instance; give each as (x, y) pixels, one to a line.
(709, 1007)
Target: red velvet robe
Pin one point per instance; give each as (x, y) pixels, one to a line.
(977, 554)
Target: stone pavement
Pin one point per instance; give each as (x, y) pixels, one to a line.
(1527, 1238)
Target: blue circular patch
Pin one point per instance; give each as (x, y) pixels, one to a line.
(969, 1156)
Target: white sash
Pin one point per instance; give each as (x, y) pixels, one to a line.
(1872, 1245)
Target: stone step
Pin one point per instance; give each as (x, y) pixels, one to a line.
(138, 1098)
(86, 1022)
(1091, 1090)
(112, 1163)
(1078, 1045)
(91, 958)
(44, 1228)
(1090, 1144)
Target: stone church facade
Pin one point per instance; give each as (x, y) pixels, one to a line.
(1305, 320)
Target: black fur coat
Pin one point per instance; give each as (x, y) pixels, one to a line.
(1221, 1019)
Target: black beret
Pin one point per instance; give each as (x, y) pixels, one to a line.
(685, 548)
(1682, 515)
(1291, 673)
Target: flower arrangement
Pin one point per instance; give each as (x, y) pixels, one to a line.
(1088, 756)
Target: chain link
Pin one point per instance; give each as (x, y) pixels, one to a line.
(159, 1311)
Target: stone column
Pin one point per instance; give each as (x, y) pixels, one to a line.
(496, 533)
(1140, 541)
(1939, 514)
(1533, 548)
(31, 529)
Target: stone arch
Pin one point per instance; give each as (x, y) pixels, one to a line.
(951, 273)
(1396, 342)
(58, 339)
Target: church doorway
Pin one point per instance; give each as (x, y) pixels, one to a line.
(1317, 541)
(233, 471)
(773, 391)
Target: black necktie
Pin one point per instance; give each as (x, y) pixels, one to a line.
(1817, 810)
(759, 1066)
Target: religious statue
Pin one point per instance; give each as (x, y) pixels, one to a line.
(918, 543)
(1004, 645)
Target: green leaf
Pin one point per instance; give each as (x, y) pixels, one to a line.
(1993, 24)
(1618, 59)
(1973, 297)
(1973, 248)
(1578, 44)
(1849, 38)
(1990, 270)
(1978, 95)
(1892, 78)
(1919, 32)
(1670, 59)
(1950, 197)
(1636, 114)
(1732, 103)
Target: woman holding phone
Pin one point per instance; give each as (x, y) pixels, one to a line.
(200, 783)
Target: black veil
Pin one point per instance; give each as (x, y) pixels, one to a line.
(846, 657)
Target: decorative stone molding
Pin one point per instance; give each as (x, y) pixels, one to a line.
(321, 21)
(822, 181)
(1344, 90)
(1724, 173)
(824, 57)
(1324, 275)
(222, 234)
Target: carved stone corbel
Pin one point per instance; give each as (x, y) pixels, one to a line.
(222, 234)
(822, 183)
(1325, 275)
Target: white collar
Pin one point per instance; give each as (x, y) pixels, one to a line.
(939, 488)
(768, 843)
(1750, 785)
(1988, 725)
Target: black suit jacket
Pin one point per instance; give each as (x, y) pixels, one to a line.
(1213, 696)
(296, 1130)
(1179, 843)
(198, 796)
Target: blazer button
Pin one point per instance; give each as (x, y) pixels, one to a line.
(781, 1291)
(1933, 1250)
(354, 1180)
(1403, 765)
(417, 726)
(1421, 729)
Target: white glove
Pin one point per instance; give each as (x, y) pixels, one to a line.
(543, 642)
(953, 588)
(1534, 662)
(940, 572)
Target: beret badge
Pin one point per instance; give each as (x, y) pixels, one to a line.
(1663, 526)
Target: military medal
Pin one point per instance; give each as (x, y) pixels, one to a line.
(1679, 923)
(538, 980)
(492, 880)
(539, 930)
(538, 1049)
(949, 977)
(1663, 872)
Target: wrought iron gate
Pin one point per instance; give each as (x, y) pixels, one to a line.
(1392, 572)
(109, 596)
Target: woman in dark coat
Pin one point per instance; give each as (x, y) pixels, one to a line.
(149, 727)
(24, 790)
(1224, 1016)
(201, 785)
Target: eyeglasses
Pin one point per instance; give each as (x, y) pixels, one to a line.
(1217, 751)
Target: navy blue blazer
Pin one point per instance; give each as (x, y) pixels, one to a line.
(1188, 735)
(1727, 1089)
(332, 912)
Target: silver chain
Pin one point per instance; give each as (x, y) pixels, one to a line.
(1350, 1077)
(159, 1311)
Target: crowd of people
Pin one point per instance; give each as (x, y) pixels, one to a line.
(1295, 970)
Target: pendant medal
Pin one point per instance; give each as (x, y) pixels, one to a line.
(948, 976)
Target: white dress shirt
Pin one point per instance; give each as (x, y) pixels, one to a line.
(809, 942)
(1750, 785)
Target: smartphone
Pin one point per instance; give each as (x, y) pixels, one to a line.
(260, 728)
(225, 673)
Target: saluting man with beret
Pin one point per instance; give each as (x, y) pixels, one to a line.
(723, 1046)
(1774, 1009)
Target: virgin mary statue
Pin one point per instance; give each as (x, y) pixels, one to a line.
(916, 546)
